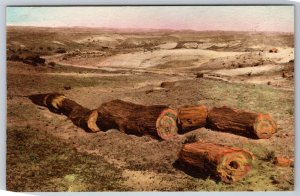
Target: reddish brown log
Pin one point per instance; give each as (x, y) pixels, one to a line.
(282, 161)
(241, 122)
(225, 163)
(50, 100)
(58, 103)
(192, 117)
(54, 102)
(130, 118)
(80, 116)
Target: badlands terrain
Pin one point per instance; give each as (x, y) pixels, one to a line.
(253, 71)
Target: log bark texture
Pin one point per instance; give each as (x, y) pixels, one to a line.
(191, 117)
(58, 103)
(80, 116)
(130, 118)
(225, 163)
(241, 122)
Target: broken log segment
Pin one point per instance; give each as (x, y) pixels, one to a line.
(50, 100)
(54, 101)
(58, 103)
(282, 161)
(80, 116)
(240, 122)
(157, 120)
(225, 163)
(191, 117)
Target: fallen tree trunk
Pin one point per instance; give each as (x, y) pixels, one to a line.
(80, 116)
(50, 100)
(192, 117)
(130, 118)
(225, 163)
(240, 122)
(58, 103)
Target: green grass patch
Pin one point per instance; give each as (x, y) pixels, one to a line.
(36, 163)
(256, 98)
(53, 83)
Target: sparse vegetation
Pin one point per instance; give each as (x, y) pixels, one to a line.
(46, 152)
(68, 169)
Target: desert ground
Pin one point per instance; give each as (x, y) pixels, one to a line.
(47, 152)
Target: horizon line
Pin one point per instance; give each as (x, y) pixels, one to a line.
(147, 28)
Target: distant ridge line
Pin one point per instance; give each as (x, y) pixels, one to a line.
(140, 30)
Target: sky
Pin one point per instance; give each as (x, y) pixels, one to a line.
(200, 18)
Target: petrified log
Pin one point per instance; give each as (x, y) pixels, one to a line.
(191, 117)
(58, 103)
(282, 161)
(225, 163)
(157, 120)
(241, 122)
(80, 116)
(50, 100)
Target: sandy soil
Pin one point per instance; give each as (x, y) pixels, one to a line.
(151, 59)
(249, 70)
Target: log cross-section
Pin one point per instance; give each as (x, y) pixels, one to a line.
(157, 120)
(50, 100)
(241, 122)
(225, 163)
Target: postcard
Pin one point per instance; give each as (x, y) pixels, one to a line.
(150, 98)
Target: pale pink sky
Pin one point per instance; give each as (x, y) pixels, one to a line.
(231, 18)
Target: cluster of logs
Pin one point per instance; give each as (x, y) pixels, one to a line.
(227, 119)
(226, 163)
(158, 121)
